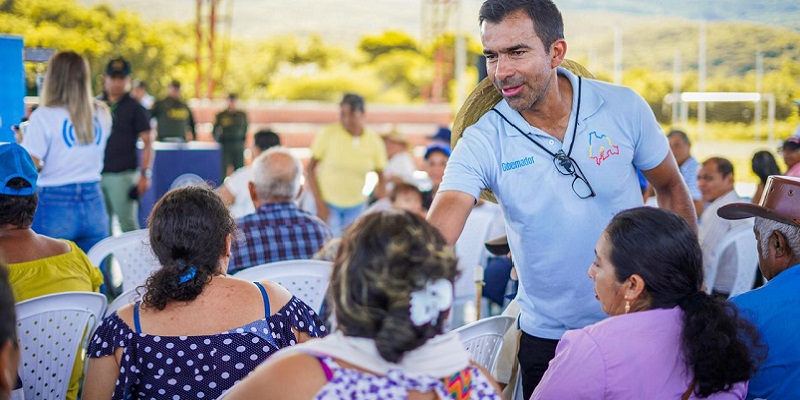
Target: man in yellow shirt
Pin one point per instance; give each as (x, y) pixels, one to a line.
(341, 156)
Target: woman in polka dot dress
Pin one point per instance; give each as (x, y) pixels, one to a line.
(391, 291)
(196, 331)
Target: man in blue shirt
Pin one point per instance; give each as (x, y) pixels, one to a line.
(681, 148)
(278, 230)
(775, 307)
(560, 154)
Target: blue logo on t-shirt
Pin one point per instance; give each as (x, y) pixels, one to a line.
(522, 162)
(68, 133)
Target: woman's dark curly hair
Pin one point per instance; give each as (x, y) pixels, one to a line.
(720, 348)
(383, 258)
(18, 210)
(189, 227)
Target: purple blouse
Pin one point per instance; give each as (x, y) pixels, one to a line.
(631, 356)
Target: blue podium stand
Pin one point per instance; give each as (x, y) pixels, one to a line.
(180, 164)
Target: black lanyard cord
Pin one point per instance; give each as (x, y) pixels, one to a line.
(528, 135)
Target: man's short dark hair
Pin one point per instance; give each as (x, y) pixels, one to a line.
(18, 210)
(724, 167)
(175, 84)
(681, 134)
(353, 100)
(265, 139)
(547, 20)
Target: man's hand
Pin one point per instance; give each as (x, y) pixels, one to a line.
(143, 185)
(323, 211)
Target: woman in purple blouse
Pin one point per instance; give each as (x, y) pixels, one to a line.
(666, 339)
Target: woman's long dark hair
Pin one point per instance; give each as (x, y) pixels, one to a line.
(720, 348)
(764, 165)
(188, 231)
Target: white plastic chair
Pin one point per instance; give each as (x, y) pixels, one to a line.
(306, 279)
(483, 339)
(132, 251)
(121, 300)
(51, 333)
(744, 242)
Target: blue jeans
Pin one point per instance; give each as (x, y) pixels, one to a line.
(75, 212)
(342, 217)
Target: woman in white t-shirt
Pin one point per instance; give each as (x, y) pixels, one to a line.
(66, 137)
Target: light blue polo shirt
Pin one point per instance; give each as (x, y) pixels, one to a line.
(551, 231)
(775, 310)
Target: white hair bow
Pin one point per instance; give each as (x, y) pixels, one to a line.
(428, 302)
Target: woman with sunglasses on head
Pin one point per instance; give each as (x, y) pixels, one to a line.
(666, 338)
(391, 290)
(196, 330)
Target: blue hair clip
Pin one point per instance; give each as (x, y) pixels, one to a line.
(189, 275)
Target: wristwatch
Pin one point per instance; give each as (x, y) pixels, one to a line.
(147, 173)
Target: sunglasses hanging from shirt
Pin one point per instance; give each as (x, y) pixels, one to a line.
(564, 162)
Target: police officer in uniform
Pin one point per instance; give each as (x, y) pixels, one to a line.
(230, 130)
(173, 116)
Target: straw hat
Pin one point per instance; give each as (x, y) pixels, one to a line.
(398, 137)
(482, 99)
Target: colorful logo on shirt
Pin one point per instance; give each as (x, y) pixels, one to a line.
(68, 133)
(522, 162)
(601, 148)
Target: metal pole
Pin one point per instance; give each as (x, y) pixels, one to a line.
(198, 48)
(212, 23)
(759, 75)
(676, 86)
(460, 58)
(701, 81)
(771, 120)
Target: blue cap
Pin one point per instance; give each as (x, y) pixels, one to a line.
(437, 147)
(443, 134)
(15, 162)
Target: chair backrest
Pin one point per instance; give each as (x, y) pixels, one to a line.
(132, 251)
(52, 331)
(126, 297)
(306, 279)
(743, 241)
(484, 338)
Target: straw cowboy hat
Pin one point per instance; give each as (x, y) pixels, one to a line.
(398, 137)
(482, 99)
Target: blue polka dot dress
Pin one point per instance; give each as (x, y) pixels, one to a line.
(197, 367)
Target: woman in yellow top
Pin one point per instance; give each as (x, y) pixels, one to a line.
(38, 265)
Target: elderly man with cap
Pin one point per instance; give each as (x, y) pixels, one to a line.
(775, 307)
(123, 181)
(230, 130)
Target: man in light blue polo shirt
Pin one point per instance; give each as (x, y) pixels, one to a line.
(559, 152)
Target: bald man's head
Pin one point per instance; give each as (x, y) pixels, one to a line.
(277, 176)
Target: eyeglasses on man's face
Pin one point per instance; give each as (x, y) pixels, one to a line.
(567, 166)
